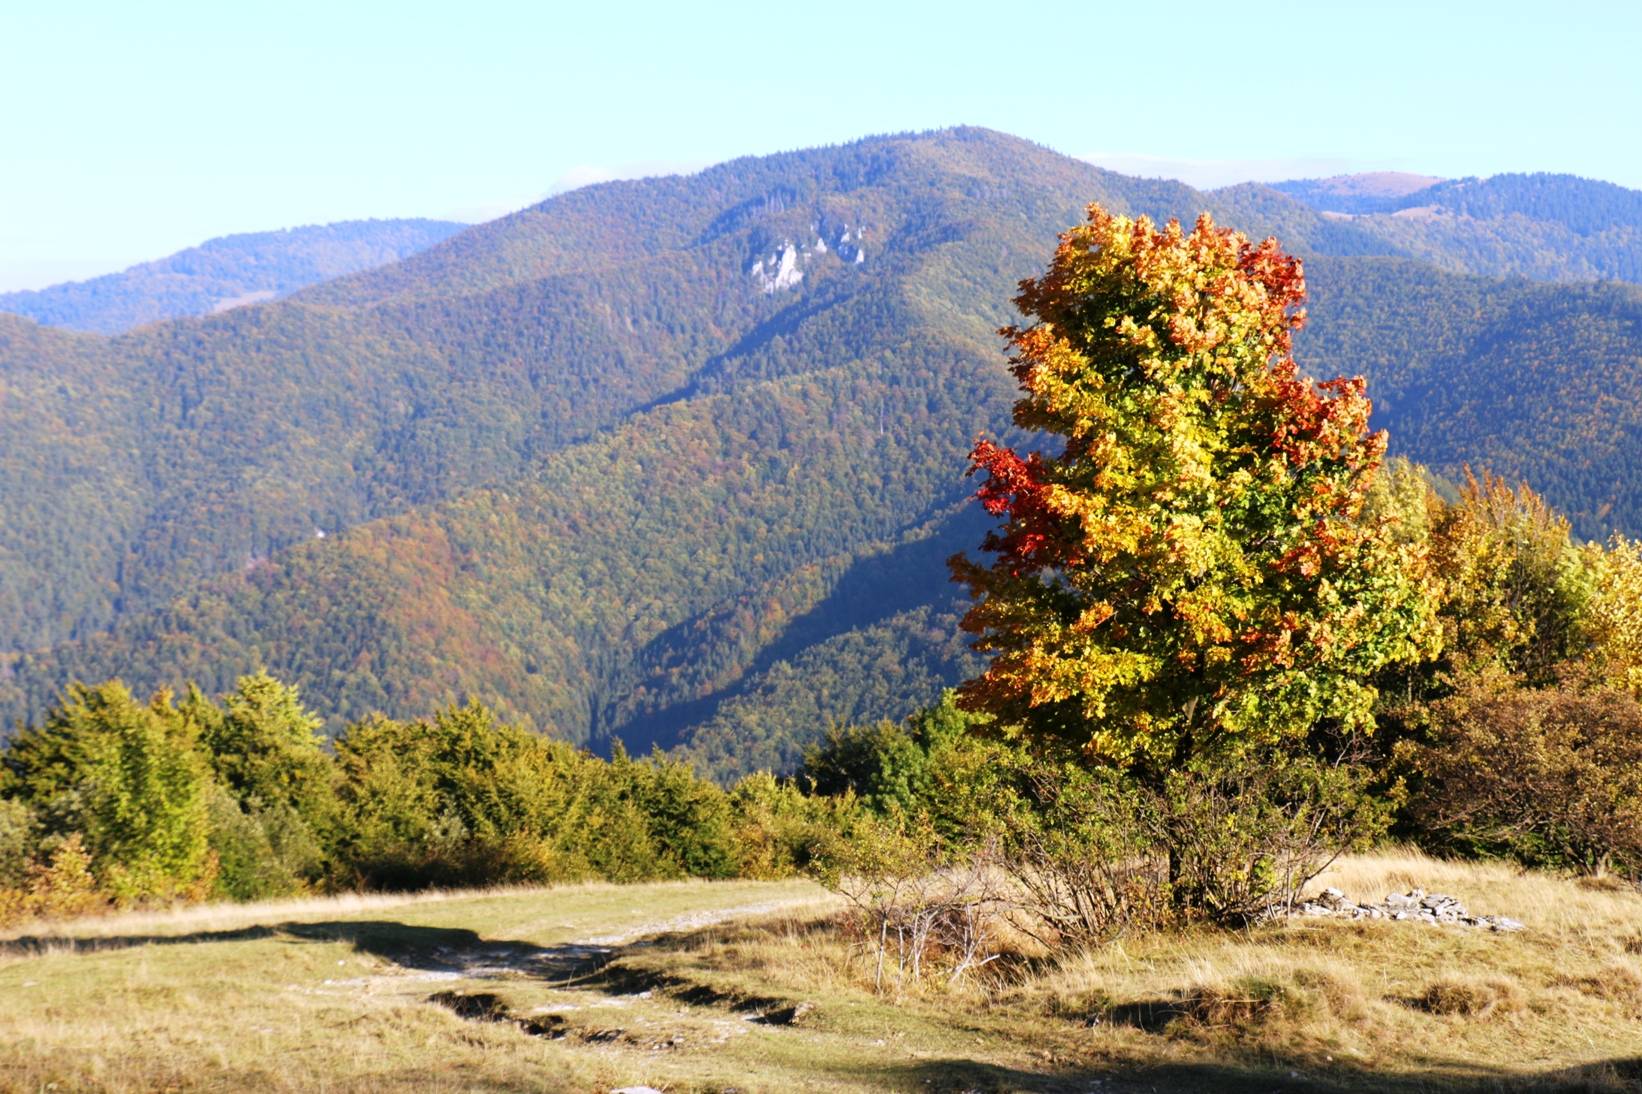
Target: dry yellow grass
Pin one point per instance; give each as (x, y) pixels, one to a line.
(490, 991)
(225, 916)
(222, 916)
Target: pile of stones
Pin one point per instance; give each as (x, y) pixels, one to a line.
(1415, 906)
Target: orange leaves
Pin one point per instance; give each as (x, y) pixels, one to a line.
(1272, 646)
(1282, 276)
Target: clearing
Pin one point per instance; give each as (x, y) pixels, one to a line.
(753, 986)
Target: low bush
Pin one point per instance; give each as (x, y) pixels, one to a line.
(60, 886)
(1248, 833)
(781, 831)
(1093, 852)
(1549, 776)
(1082, 859)
(919, 909)
(1096, 854)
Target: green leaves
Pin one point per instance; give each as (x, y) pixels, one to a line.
(124, 775)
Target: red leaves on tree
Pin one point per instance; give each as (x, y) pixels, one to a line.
(1015, 488)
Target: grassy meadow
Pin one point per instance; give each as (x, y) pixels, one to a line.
(698, 986)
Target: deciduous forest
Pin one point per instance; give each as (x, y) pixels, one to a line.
(598, 466)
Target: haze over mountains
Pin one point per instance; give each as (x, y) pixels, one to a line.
(1543, 226)
(224, 273)
(679, 460)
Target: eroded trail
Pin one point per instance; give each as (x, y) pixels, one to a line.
(577, 989)
(560, 963)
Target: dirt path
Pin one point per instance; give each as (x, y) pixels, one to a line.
(582, 987)
(693, 921)
(561, 963)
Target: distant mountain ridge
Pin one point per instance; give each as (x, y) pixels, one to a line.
(1547, 227)
(225, 272)
(674, 461)
(1366, 192)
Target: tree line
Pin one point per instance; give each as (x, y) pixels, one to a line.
(114, 800)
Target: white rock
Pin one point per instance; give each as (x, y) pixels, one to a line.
(1413, 906)
(785, 274)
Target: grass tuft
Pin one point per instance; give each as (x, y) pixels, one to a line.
(1469, 998)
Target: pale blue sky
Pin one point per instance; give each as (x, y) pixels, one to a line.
(131, 130)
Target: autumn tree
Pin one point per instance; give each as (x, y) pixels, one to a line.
(1185, 567)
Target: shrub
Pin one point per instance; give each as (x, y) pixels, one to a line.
(19, 838)
(688, 818)
(62, 885)
(920, 908)
(1082, 858)
(1249, 832)
(1546, 775)
(883, 764)
(265, 748)
(1096, 853)
(1515, 586)
(463, 799)
(261, 851)
(942, 763)
(781, 831)
(1613, 615)
(451, 800)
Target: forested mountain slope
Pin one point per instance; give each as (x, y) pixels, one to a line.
(250, 431)
(676, 460)
(1537, 382)
(225, 273)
